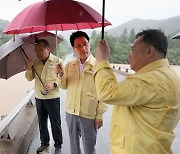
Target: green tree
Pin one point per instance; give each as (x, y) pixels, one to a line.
(132, 36)
(124, 36)
(4, 38)
(63, 49)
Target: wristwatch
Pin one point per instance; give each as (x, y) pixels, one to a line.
(55, 85)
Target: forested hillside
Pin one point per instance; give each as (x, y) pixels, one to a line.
(169, 26)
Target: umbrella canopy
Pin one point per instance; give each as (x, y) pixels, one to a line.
(177, 36)
(55, 15)
(14, 53)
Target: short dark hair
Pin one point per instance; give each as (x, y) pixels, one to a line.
(76, 35)
(156, 38)
(45, 42)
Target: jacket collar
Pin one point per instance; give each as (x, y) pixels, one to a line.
(92, 61)
(154, 65)
(49, 58)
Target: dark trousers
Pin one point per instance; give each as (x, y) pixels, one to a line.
(51, 108)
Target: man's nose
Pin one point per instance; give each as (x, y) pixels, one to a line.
(84, 47)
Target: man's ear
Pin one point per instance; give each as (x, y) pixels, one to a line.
(74, 49)
(48, 49)
(150, 51)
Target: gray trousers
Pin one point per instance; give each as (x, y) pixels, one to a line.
(79, 126)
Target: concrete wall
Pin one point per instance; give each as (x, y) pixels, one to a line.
(21, 132)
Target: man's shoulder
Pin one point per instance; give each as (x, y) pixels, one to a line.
(56, 58)
(52, 55)
(36, 61)
(92, 60)
(72, 62)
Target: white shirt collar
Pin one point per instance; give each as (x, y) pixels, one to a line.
(81, 66)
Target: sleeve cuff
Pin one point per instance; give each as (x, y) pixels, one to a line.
(29, 71)
(99, 116)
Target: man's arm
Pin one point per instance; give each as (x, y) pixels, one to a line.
(29, 74)
(134, 90)
(101, 108)
(62, 76)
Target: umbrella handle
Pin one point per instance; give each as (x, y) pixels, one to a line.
(103, 12)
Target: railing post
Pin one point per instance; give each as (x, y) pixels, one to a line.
(30, 103)
(5, 135)
(3, 116)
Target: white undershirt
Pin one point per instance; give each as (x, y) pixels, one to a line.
(81, 66)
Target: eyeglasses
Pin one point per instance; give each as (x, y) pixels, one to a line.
(85, 44)
(40, 50)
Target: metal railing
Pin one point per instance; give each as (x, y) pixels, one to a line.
(7, 120)
(124, 70)
(120, 68)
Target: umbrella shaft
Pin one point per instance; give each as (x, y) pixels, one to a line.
(37, 75)
(103, 12)
(32, 66)
(23, 52)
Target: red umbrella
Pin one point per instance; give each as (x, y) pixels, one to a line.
(55, 15)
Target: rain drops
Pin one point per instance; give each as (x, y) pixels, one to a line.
(80, 13)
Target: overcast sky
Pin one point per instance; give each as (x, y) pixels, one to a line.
(117, 11)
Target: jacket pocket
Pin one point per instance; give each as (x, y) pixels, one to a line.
(72, 76)
(117, 137)
(51, 73)
(92, 105)
(165, 140)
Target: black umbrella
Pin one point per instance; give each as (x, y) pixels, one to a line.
(177, 36)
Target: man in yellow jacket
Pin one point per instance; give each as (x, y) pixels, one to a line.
(83, 110)
(46, 94)
(146, 104)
